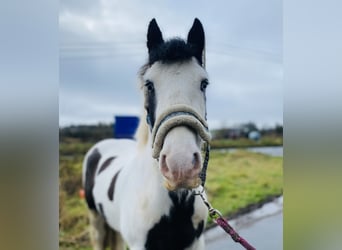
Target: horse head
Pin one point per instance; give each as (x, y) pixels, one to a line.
(174, 82)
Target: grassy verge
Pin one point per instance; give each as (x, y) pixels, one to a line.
(240, 181)
(236, 182)
(265, 141)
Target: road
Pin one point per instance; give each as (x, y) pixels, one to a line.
(262, 228)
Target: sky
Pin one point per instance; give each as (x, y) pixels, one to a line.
(103, 46)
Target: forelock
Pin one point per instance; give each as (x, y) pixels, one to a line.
(172, 51)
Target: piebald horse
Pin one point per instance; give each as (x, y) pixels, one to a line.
(140, 193)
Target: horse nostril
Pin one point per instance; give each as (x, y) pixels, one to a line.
(196, 160)
(163, 163)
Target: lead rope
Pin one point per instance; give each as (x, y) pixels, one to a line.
(214, 214)
(219, 220)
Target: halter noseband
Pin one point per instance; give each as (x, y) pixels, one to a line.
(180, 115)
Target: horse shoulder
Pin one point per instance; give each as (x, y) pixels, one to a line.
(101, 170)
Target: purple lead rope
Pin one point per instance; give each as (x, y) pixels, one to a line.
(236, 237)
(219, 220)
(215, 214)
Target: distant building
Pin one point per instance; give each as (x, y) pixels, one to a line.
(233, 133)
(238, 131)
(125, 126)
(254, 135)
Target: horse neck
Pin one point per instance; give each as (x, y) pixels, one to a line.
(144, 144)
(142, 134)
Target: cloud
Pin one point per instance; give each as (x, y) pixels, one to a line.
(102, 47)
(246, 85)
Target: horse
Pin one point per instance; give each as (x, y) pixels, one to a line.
(141, 193)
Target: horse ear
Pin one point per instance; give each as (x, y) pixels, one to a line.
(196, 40)
(154, 36)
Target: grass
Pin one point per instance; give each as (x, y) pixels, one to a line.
(265, 141)
(73, 217)
(241, 180)
(236, 182)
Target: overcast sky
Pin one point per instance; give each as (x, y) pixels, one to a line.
(102, 46)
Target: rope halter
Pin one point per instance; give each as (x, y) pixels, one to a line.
(175, 116)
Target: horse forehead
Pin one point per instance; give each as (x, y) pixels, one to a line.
(164, 71)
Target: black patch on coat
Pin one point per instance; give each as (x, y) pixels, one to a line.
(175, 231)
(199, 229)
(150, 104)
(112, 187)
(106, 164)
(101, 211)
(91, 166)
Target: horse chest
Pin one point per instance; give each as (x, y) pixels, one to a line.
(175, 230)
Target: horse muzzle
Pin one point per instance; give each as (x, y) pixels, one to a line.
(178, 115)
(180, 169)
(176, 146)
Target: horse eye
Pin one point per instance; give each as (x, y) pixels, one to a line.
(204, 84)
(149, 85)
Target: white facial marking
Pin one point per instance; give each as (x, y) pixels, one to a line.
(179, 83)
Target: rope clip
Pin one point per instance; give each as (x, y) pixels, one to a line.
(214, 213)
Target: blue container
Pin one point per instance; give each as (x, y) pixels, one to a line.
(125, 126)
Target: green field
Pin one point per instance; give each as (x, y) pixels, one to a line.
(237, 181)
(265, 141)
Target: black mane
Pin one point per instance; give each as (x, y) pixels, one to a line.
(171, 51)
